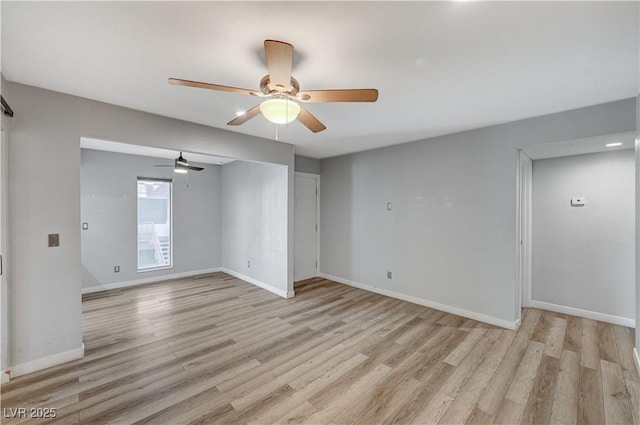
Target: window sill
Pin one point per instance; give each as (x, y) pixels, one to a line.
(154, 269)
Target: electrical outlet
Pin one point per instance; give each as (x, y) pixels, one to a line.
(85, 226)
(578, 201)
(116, 269)
(389, 275)
(249, 264)
(389, 206)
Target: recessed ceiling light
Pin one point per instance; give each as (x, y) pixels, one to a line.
(614, 144)
(239, 113)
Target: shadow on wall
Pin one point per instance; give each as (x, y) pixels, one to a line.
(88, 278)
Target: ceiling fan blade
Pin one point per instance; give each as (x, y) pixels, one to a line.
(347, 95)
(309, 121)
(191, 167)
(164, 165)
(246, 116)
(217, 87)
(279, 61)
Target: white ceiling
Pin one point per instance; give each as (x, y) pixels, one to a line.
(440, 67)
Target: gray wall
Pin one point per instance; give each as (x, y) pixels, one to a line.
(254, 222)
(638, 232)
(451, 236)
(44, 197)
(109, 206)
(307, 165)
(584, 257)
(5, 124)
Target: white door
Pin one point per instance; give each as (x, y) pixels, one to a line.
(3, 259)
(305, 255)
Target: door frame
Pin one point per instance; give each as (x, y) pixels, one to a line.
(317, 178)
(524, 231)
(4, 245)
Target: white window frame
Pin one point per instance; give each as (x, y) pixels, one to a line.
(165, 267)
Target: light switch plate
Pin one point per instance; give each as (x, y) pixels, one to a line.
(578, 201)
(54, 240)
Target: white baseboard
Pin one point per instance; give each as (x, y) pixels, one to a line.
(637, 359)
(272, 289)
(45, 362)
(518, 323)
(129, 283)
(427, 303)
(601, 317)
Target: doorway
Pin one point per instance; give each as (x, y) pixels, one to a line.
(306, 205)
(575, 226)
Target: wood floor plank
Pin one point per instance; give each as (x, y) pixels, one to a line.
(555, 340)
(624, 339)
(634, 396)
(538, 409)
(522, 383)
(479, 417)
(565, 402)
(407, 411)
(213, 349)
(358, 390)
(464, 402)
(493, 396)
(434, 410)
(510, 413)
(617, 406)
(543, 327)
(590, 349)
(590, 401)
(607, 343)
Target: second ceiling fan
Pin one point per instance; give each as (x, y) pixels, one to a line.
(282, 92)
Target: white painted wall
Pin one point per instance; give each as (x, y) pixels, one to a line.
(254, 224)
(44, 197)
(451, 236)
(109, 206)
(583, 257)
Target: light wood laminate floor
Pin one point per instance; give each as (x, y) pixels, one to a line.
(214, 349)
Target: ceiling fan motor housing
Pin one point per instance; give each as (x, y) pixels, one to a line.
(268, 88)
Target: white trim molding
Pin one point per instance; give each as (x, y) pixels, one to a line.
(266, 286)
(45, 362)
(637, 360)
(136, 282)
(427, 303)
(601, 317)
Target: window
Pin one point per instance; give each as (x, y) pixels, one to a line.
(155, 242)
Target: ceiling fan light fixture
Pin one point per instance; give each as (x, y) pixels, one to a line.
(280, 111)
(180, 170)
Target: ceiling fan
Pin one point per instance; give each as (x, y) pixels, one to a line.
(282, 92)
(181, 165)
